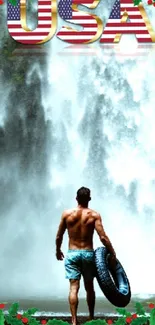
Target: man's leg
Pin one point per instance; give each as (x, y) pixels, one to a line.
(73, 299)
(89, 287)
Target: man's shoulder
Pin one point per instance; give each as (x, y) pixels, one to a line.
(67, 212)
(94, 213)
(72, 211)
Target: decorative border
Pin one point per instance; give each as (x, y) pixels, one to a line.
(139, 318)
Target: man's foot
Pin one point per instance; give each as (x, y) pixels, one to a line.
(90, 318)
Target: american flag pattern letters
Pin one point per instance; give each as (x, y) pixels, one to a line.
(41, 34)
(125, 18)
(92, 25)
(136, 24)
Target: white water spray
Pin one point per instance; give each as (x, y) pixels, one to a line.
(101, 118)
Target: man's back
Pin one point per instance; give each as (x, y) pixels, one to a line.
(80, 223)
(79, 260)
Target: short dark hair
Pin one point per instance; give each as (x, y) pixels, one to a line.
(83, 195)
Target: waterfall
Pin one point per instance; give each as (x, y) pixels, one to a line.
(101, 117)
(67, 122)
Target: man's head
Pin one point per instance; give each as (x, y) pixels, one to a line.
(83, 196)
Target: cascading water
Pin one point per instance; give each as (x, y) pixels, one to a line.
(101, 119)
(66, 122)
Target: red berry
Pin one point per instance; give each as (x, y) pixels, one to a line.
(25, 320)
(134, 316)
(109, 321)
(19, 316)
(44, 321)
(154, 4)
(2, 305)
(128, 320)
(149, 2)
(1, 2)
(151, 305)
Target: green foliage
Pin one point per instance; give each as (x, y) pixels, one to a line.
(13, 2)
(15, 321)
(120, 321)
(152, 317)
(8, 319)
(136, 2)
(12, 320)
(1, 318)
(14, 309)
(123, 312)
(57, 322)
(139, 309)
(33, 321)
(32, 311)
(96, 322)
(140, 321)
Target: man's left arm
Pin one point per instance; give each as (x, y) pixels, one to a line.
(59, 237)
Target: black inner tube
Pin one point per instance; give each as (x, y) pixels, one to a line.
(118, 277)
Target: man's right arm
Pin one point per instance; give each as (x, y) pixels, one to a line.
(103, 237)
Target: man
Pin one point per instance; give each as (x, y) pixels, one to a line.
(80, 223)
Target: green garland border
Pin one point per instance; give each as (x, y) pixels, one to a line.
(138, 318)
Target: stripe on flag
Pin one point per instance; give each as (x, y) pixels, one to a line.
(86, 20)
(136, 25)
(37, 35)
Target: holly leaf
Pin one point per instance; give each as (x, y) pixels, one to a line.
(152, 317)
(33, 321)
(140, 320)
(32, 311)
(18, 321)
(13, 2)
(123, 311)
(13, 320)
(57, 322)
(14, 309)
(139, 309)
(2, 319)
(92, 322)
(136, 2)
(120, 321)
(8, 319)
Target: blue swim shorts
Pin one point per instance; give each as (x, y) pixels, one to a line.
(80, 262)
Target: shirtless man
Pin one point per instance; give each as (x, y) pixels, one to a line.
(80, 223)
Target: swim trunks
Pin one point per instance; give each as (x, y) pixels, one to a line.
(80, 262)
